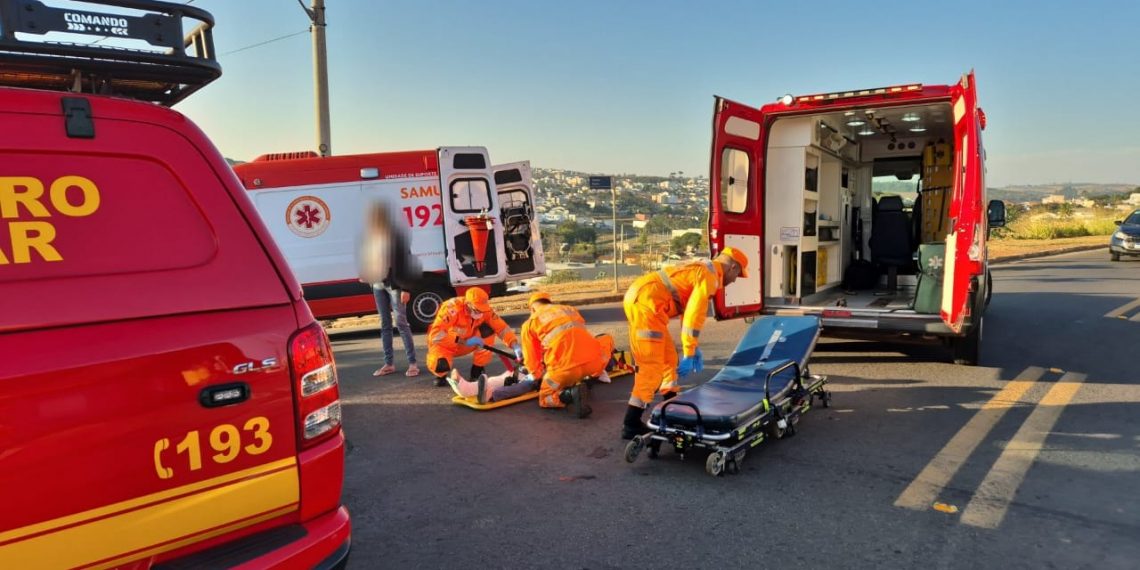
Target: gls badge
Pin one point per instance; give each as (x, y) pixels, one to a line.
(267, 364)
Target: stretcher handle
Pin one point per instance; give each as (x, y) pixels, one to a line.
(786, 365)
(500, 352)
(700, 422)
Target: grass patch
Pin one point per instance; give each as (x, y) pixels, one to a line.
(1049, 228)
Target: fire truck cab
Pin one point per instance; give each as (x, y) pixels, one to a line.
(866, 208)
(468, 223)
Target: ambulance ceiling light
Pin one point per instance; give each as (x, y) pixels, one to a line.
(918, 128)
(867, 130)
(856, 123)
(910, 118)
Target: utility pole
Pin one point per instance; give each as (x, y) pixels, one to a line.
(320, 74)
(616, 287)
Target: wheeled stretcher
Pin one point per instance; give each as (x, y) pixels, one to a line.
(760, 393)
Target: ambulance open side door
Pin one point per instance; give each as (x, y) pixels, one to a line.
(966, 243)
(522, 243)
(471, 217)
(736, 200)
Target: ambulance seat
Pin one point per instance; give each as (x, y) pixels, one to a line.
(891, 238)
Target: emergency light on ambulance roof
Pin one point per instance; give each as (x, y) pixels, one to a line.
(893, 90)
(370, 173)
(787, 99)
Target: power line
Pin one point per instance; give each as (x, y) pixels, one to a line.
(277, 39)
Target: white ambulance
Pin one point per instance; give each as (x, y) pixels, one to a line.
(316, 210)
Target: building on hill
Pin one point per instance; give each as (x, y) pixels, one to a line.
(1053, 199)
(1134, 199)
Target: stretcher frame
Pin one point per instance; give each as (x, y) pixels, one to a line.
(623, 368)
(778, 420)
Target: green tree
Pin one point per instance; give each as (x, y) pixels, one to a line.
(684, 242)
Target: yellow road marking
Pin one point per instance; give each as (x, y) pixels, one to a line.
(1121, 310)
(922, 492)
(992, 499)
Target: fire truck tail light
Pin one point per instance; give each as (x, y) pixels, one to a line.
(322, 420)
(318, 380)
(317, 394)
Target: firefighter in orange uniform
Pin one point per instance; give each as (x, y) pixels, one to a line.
(561, 353)
(462, 326)
(649, 304)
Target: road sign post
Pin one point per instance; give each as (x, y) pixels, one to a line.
(607, 183)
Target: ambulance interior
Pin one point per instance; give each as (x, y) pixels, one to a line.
(858, 194)
(517, 215)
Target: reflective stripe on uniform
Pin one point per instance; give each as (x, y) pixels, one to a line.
(549, 400)
(669, 285)
(650, 334)
(439, 337)
(636, 402)
(549, 337)
(668, 386)
(695, 333)
(550, 383)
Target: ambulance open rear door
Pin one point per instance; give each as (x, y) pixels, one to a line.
(736, 213)
(522, 245)
(471, 217)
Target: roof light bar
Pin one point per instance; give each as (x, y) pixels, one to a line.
(861, 93)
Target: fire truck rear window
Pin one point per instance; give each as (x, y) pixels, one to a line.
(88, 215)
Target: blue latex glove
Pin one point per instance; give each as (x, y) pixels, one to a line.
(518, 352)
(694, 363)
(474, 341)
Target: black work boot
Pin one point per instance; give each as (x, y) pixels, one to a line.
(632, 425)
(475, 372)
(580, 395)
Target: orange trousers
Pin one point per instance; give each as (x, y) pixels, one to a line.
(445, 355)
(647, 310)
(565, 376)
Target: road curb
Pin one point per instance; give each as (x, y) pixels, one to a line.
(1035, 254)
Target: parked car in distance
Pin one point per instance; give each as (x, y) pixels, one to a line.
(1126, 239)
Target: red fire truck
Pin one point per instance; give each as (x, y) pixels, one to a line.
(866, 207)
(166, 398)
(469, 223)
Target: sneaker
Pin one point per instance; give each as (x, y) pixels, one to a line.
(384, 370)
(481, 395)
(412, 371)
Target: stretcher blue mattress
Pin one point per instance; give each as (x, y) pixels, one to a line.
(736, 394)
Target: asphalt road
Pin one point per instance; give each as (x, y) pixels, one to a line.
(1037, 451)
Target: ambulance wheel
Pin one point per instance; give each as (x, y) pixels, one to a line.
(424, 304)
(967, 349)
(714, 465)
(633, 448)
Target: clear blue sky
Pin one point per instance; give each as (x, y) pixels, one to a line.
(627, 86)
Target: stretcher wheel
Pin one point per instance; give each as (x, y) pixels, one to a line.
(633, 449)
(714, 465)
(654, 449)
(825, 399)
(733, 467)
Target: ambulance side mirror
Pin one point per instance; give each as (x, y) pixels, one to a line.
(995, 214)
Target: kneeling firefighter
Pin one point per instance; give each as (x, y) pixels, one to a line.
(649, 304)
(462, 326)
(559, 350)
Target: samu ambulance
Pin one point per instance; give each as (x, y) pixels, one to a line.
(470, 224)
(167, 399)
(866, 208)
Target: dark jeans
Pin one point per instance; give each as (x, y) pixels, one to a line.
(386, 301)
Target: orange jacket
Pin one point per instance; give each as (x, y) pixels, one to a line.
(686, 291)
(453, 325)
(555, 336)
